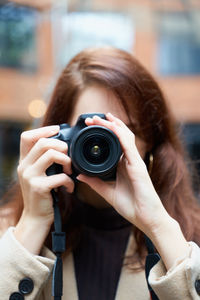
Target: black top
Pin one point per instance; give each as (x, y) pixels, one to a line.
(99, 255)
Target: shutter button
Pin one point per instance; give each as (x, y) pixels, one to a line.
(16, 296)
(26, 286)
(197, 286)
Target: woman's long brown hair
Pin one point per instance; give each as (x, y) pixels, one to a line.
(146, 108)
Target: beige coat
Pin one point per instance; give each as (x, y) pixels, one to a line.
(16, 263)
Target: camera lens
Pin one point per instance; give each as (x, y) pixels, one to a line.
(96, 149)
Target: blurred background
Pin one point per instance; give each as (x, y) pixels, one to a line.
(37, 39)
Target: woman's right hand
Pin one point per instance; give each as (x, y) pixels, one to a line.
(37, 153)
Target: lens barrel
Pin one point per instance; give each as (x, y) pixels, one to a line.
(95, 151)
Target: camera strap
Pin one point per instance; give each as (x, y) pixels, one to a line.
(58, 247)
(151, 259)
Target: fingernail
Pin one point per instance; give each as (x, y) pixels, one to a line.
(55, 128)
(96, 117)
(88, 119)
(78, 177)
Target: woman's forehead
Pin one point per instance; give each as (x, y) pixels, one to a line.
(97, 99)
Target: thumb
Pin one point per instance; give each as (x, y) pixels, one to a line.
(101, 187)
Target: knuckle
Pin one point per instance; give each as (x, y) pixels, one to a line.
(63, 145)
(19, 169)
(69, 160)
(36, 186)
(25, 175)
(46, 143)
(65, 178)
(42, 142)
(113, 126)
(50, 153)
(24, 136)
(69, 184)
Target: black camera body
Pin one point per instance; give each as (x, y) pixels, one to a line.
(94, 150)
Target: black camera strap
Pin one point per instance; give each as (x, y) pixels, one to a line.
(58, 247)
(152, 258)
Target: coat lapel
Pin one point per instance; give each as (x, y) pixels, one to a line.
(70, 290)
(132, 285)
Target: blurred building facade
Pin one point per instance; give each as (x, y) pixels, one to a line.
(166, 41)
(37, 38)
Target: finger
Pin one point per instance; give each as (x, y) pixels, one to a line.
(30, 137)
(102, 188)
(112, 125)
(55, 181)
(96, 120)
(124, 134)
(119, 122)
(41, 146)
(48, 158)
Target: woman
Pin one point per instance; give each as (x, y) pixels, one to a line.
(105, 221)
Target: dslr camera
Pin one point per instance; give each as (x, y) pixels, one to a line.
(94, 150)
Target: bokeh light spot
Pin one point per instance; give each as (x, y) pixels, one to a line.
(37, 108)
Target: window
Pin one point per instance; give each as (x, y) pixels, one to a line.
(17, 37)
(80, 30)
(178, 45)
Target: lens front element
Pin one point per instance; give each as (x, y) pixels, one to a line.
(96, 149)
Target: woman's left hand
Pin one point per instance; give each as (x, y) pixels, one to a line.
(134, 197)
(132, 194)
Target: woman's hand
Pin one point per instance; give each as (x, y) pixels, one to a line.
(37, 153)
(134, 197)
(132, 194)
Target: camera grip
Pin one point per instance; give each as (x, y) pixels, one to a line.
(54, 169)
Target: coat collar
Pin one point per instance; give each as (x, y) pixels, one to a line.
(132, 285)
